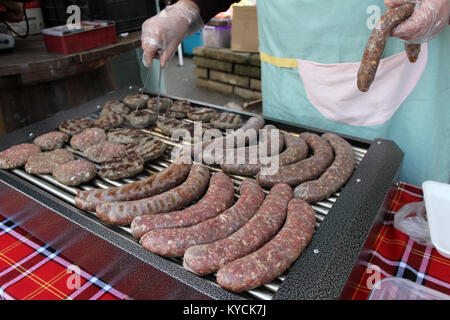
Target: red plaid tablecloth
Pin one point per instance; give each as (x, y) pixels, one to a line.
(32, 270)
(395, 255)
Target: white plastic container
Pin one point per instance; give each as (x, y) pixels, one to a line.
(437, 203)
(403, 289)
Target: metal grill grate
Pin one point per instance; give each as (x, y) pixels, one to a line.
(48, 184)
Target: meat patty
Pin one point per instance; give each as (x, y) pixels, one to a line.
(126, 135)
(109, 120)
(75, 126)
(104, 151)
(51, 140)
(169, 125)
(179, 109)
(141, 118)
(201, 114)
(114, 106)
(87, 138)
(149, 148)
(74, 173)
(227, 120)
(122, 167)
(47, 162)
(17, 155)
(164, 103)
(136, 101)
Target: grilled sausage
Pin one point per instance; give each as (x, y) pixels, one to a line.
(157, 183)
(207, 258)
(276, 256)
(334, 177)
(303, 170)
(296, 150)
(377, 42)
(412, 51)
(253, 123)
(218, 198)
(231, 155)
(174, 242)
(122, 213)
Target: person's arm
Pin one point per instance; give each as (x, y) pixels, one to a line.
(209, 8)
(429, 18)
(14, 11)
(162, 33)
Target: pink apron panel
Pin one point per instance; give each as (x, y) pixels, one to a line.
(332, 89)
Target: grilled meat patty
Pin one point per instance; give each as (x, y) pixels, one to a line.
(141, 118)
(75, 126)
(74, 173)
(164, 103)
(201, 114)
(149, 148)
(125, 135)
(87, 138)
(122, 167)
(47, 162)
(136, 101)
(227, 120)
(51, 140)
(104, 151)
(17, 155)
(116, 107)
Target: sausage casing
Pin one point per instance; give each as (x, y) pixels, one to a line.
(174, 242)
(123, 212)
(276, 256)
(377, 42)
(218, 198)
(155, 184)
(303, 170)
(334, 177)
(296, 150)
(207, 258)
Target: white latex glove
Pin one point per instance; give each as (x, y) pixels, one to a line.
(162, 33)
(429, 18)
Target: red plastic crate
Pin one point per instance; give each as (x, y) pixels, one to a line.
(91, 36)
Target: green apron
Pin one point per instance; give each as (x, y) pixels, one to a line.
(317, 37)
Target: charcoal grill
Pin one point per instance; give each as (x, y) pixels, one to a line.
(345, 222)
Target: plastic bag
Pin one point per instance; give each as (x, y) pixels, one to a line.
(412, 220)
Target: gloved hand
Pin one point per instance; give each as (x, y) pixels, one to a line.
(429, 18)
(162, 33)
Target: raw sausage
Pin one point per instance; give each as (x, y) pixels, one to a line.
(377, 42)
(412, 51)
(218, 198)
(253, 123)
(155, 184)
(296, 150)
(230, 154)
(207, 258)
(304, 170)
(276, 256)
(334, 177)
(123, 212)
(174, 242)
